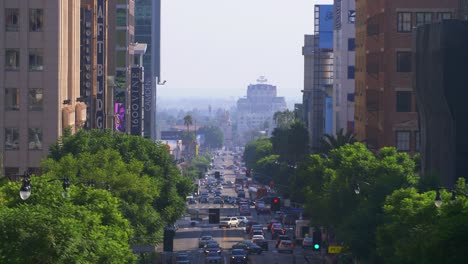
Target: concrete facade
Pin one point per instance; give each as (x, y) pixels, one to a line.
(308, 53)
(39, 78)
(385, 109)
(344, 59)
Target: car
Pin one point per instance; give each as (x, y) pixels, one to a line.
(214, 258)
(257, 232)
(286, 246)
(270, 224)
(212, 246)
(203, 240)
(217, 200)
(229, 222)
(182, 258)
(249, 225)
(307, 242)
(257, 237)
(242, 220)
(249, 246)
(263, 243)
(238, 256)
(281, 237)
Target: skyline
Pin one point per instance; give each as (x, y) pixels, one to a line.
(204, 59)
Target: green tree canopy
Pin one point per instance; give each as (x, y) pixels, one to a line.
(214, 137)
(256, 150)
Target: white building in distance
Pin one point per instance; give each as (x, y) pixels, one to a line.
(255, 112)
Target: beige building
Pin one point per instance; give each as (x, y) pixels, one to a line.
(39, 78)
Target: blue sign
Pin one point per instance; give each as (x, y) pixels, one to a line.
(326, 24)
(100, 59)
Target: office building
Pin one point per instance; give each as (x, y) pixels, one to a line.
(385, 109)
(39, 79)
(343, 54)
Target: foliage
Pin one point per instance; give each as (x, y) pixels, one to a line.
(138, 171)
(199, 166)
(87, 227)
(214, 137)
(329, 142)
(188, 121)
(291, 143)
(283, 119)
(256, 150)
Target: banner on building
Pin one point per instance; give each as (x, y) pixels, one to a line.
(86, 78)
(100, 64)
(148, 101)
(119, 117)
(326, 25)
(136, 94)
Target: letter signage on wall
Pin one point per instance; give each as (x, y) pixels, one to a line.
(100, 64)
(87, 60)
(148, 95)
(136, 93)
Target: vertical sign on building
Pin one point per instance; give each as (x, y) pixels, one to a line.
(148, 96)
(100, 59)
(136, 101)
(86, 61)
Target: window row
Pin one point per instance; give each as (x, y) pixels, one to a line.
(35, 59)
(35, 99)
(12, 18)
(12, 138)
(403, 140)
(407, 20)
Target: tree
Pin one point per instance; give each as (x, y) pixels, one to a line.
(256, 150)
(329, 142)
(283, 119)
(291, 143)
(214, 137)
(188, 122)
(87, 227)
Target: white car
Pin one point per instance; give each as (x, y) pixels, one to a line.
(257, 237)
(242, 220)
(229, 222)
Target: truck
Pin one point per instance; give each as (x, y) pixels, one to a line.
(302, 229)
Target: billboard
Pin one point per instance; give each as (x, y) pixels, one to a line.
(100, 64)
(136, 93)
(326, 25)
(119, 117)
(172, 135)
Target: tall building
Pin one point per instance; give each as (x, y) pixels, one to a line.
(385, 109)
(121, 44)
(318, 76)
(440, 86)
(343, 53)
(39, 79)
(148, 30)
(255, 112)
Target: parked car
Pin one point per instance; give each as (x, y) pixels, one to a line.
(203, 240)
(238, 256)
(286, 246)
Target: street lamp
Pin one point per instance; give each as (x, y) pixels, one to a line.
(357, 187)
(25, 190)
(438, 199)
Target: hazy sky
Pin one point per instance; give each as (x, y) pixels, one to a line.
(216, 48)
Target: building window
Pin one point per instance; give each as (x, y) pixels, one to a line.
(11, 99)
(36, 60)
(11, 19)
(35, 139)
(404, 22)
(12, 58)
(36, 20)
(403, 101)
(402, 140)
(444, 16)
(121, 17)
(423, 18)
(350, 72)
(351, 44)
(417, 140)
(403, 60)
(35, 99)
(12, 173)
(11, 138)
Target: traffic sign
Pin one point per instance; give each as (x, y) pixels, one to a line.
(335, 249)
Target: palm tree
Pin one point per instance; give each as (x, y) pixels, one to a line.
(329, 142)
(188, 121)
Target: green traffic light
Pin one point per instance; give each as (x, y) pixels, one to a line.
(316, 246)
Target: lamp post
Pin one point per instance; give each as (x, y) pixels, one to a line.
(25, 190)
(438, 200)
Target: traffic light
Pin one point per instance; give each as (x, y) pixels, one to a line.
(275, 204)
(317, 240)
(247, 173)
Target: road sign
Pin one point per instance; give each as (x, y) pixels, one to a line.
(334, 249)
